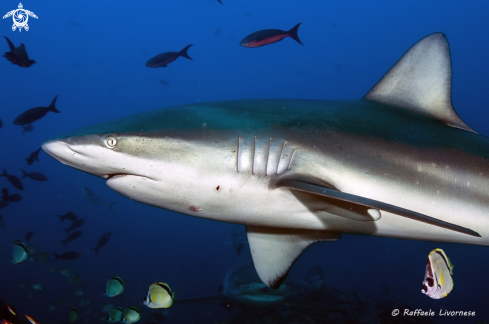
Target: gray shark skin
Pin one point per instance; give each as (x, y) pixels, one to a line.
(397, 163)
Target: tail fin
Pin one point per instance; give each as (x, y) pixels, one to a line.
(56, 256)
(24, 174)
(95, 249)
(52, 107)
(293, 33)
(38, 150)
(111, 209)
(4, 174)
(184, 52)
(10, 44)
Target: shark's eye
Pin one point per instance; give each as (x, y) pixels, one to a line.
(110, 141)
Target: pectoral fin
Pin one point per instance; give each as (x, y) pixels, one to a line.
(370, 205)
(274, 250)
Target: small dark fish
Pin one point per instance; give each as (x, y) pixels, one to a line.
(161, 60)
(28, 236)
(33, 114)
(76, 223)
(34, 176)
(34, 156)
(102, 241)
(93, 198)
(14, 198)
(164, 82)
(72, 236)
(1, 123)
(219, 1)
(270, 36)
(13, 180)
(18, 56)
(67, 256)
(69, 216)
(27, 128)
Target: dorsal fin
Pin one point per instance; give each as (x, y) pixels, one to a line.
(421, 81)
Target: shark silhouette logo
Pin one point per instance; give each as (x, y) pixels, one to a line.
(20, 17)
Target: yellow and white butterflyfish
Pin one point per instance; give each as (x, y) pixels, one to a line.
(438, 282)
(159, 296)
(19, 252)
(115, 287)
(131, 315)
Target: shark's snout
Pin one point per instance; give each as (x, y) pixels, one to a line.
(59, 150)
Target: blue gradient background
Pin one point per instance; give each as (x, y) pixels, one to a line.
(92, 53)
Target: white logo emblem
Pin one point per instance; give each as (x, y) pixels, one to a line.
(20, 17)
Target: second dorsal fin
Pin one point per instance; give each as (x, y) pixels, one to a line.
(421, 81)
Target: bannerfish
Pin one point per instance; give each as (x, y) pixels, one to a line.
(115, 287)
(44, 257)
(75, 224)
(76, 280)
(13, 180)
(270, 36)
(69, 216)
(28, 236)
(131, 315)
(84, 301)
(73, 315)
(34, 156)
(159, 296)
(115, 315)
(73, 236)
(38, 286)
(104, 239)
(37, 176)
(18, 56)
(65, 271)
(161, 60)
(78, 292)
(438, 282)
(94, 199)
(33, 114)
(27, 128)
(32, 249)
(67, 256)
(19, 252)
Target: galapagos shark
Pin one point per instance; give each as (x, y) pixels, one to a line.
(399, 162)
(243, 288)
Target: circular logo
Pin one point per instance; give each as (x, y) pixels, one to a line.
(395, 312)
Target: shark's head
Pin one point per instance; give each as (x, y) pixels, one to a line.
(135, 153)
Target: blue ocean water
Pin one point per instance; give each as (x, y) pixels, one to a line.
(93, 53)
